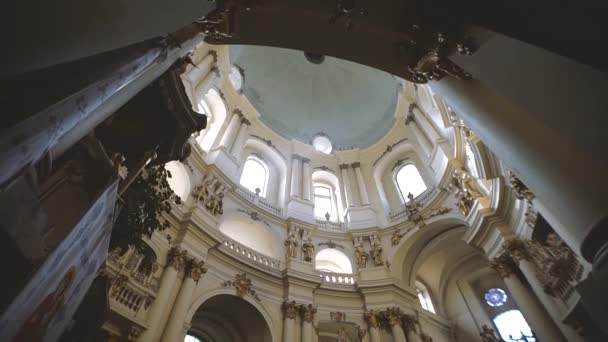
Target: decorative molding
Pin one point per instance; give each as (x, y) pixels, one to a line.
(243, 286)
(210, 193)
(269, 143)
(337, 316)
(330, 244)
(389, 148)
(195, 269)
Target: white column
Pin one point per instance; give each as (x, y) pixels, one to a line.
(229, 134)
(372, 318)
(576, 199)
(539, 320)
(374, 334)
(409, 325)
(427, 127)
(549, 303)
(290, 310)
(241, 137)
(346, 185)
(308, 315)
(361, 182)
(394, 319)
(296, 179)
(423, 141)
(175, 325)
(306, 180)
(175, 263)
(206, 83)
(202, 68)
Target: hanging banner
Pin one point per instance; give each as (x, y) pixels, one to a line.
(44, 308)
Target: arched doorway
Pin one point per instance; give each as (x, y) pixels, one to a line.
(229, 318)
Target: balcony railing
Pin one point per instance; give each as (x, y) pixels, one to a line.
(400, 213)
(329, 225)
(259, 201)
(337, 278)
(244, 252)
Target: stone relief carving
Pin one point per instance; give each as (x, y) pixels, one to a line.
(337, 316)
(519, 189)
(243, 286)
(376, 251)
(291, 243)
(308, 247)
(360, 253)
(465, 189)
(210, 193)
(195, 269)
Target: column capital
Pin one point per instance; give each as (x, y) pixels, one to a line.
(296, 156)
(372, 318)
(177, 258)
(409, 322)
(516, 248)
(308, 312)
(412, 107)
(343, 166)
(290, 309)
(503, 265)
(238, 112)
(213, 54)
(245, 121)
(520, 190)
(393, 316)
(195, 269)
(355, 165)
(305, 160)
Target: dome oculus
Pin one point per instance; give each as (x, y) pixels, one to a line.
(322, 143)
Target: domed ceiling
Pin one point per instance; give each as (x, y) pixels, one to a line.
(299, 95)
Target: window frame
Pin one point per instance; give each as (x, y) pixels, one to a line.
(254, 159)
(402, 195)
(332, 200)
(426, 302)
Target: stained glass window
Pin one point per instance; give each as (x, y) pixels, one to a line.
(495, 297)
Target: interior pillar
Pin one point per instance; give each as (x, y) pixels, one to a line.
(346, 185)
(175, 263)
(202, 68)
(241, 137)
(296, 173)
(539, 320)
(306, 180)
(201, 89)
(229, 134)
(308, 315)
(175, 326)
(361, 182)
(290, 310)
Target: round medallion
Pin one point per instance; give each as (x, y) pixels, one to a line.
(495, 297)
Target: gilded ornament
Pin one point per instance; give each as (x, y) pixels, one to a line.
(196, 269)
(503, 265)
(243, 286)
(393, 316)
(360, 253)
(308, 312)
(372, 317)
(520, 190)
(176, 258)
(290, 309)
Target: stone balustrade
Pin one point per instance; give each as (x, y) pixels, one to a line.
(337, 278)
(331, 226)
(400, 214)
(259, 201)
(233, 247)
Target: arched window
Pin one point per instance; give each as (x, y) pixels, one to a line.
(325, 202)
(236, 77)
(424, 297)
(255, 176)
(512, 326)
(191, 338)
(333, 260)
(179, 181)
(409, 181)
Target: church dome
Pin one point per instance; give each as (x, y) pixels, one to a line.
(302, 94)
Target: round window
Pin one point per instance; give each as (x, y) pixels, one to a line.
(495, 297)
(322, 144)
